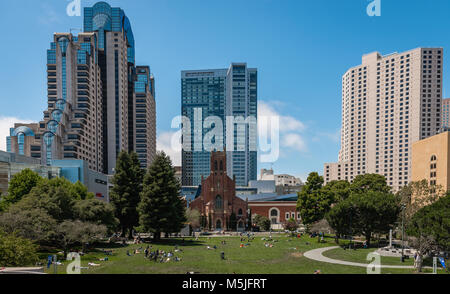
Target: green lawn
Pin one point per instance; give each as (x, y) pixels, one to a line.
(286, 257)
(360, 256)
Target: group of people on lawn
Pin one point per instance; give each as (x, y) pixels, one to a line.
(158, 255)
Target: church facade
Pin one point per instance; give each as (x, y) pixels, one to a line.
(218, 204)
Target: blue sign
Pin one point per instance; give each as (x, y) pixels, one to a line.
(442, 261)
(49, 261)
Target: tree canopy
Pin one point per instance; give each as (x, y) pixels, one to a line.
(313, 203)
(161, 208)
(20, 185)
(125, 193)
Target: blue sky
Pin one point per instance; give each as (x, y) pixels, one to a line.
(301, 49)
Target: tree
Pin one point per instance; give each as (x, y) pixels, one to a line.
(55, 196)
(16, 251)
(312, 202)
(70, 233)
(20, 185)
(417, 195)
(33, 224)
(339, 220)
(194, 218)
(338, 190)
(291, 225)
(262, 222)
(375, 212)
(369, 182)
(161, 208)
(97, 212)
(81, 191)
(431, 228)
(125, 193)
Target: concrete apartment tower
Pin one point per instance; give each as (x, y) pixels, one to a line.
(388, 103)
(446, 114)
(220, 93)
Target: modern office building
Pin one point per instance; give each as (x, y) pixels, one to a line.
(143, 124)
(99, 102)
(388, 103)
(446, 114)
(431, 161)
(218, 94)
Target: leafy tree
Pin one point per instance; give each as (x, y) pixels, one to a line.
(125, 193)
(338, 190)
(16, 251)
(369, 182)
(339, 219)
(431, 228)
(55, 196)
(161, 208)
(97, 212)
(291, 225)
(375, 212)
(20, 185)
(194, 218)
(262, 222)
(34, 224)
(81, 191)
(71, 233)
(417, 195)
(312, 202)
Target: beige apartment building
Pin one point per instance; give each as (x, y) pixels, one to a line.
(388, 103)
(430, 160)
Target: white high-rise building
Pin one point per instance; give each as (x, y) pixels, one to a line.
(388, 103)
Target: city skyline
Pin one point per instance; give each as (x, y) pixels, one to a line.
(287, 82)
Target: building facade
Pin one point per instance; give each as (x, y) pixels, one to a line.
(431, 161)
(446, 114)
(388, 103)
(218, 94)
(217, 202)
(99, 102)
(278, 212)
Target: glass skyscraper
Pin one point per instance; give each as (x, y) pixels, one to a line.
(98, 104)
(219, 93)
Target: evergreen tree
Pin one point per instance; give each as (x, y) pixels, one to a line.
(161, 208)
(125, 194)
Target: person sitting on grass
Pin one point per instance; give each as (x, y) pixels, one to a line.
(128, 253)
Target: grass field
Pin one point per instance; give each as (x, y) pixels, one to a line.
(285, 257)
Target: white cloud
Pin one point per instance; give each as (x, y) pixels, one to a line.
(287, 123)
(294, 141)
(6, 123)
(290, 128)
(165, 142)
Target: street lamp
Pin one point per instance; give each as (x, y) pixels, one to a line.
(403, 208)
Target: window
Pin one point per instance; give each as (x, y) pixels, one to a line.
(219, 202)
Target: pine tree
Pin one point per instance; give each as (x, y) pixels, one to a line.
(125, 194)
(161, 208)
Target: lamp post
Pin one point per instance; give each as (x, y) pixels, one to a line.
(403, 208)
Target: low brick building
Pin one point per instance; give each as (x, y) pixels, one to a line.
(279, 212)
(217, 203)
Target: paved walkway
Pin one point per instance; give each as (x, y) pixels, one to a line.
(317, 255)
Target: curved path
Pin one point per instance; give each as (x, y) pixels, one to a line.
(317, 255)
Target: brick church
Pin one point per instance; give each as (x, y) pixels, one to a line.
(218, 205)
